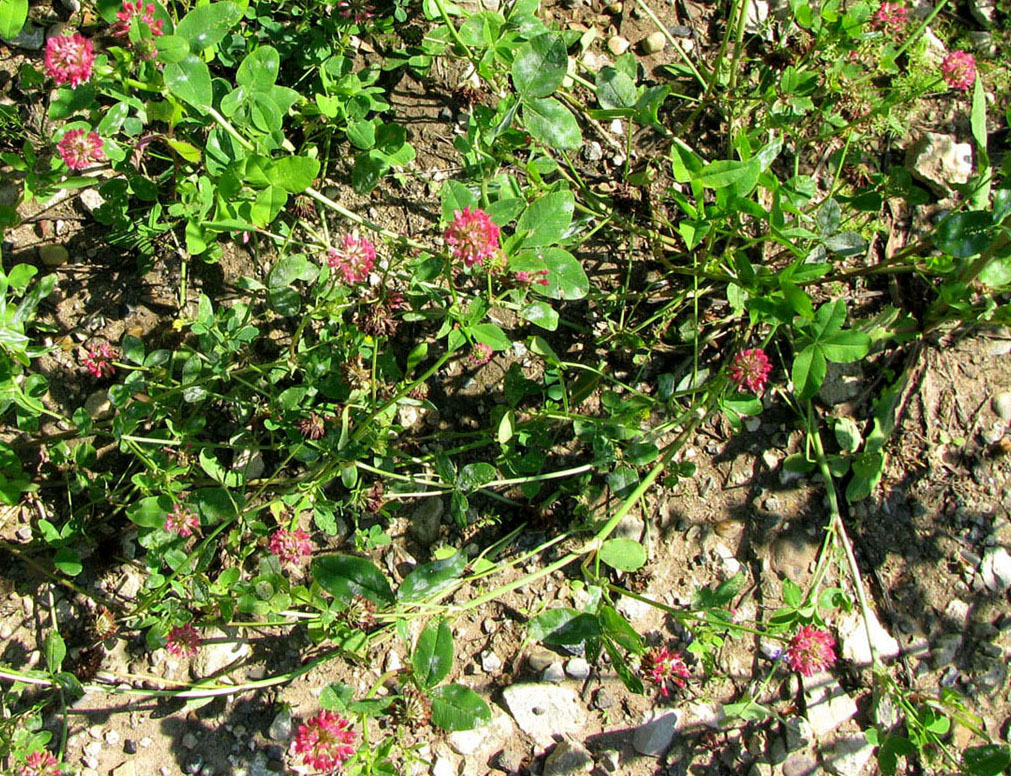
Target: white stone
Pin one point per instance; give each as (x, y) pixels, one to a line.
(578, 668)
(617, 45)
(491, 663)
(1001, 404)
(939, 161)
(828, 706)
(91, 200)
(995, 569)
(480, 743)
(653, 43)
(541, 710)
(444, 766)
(853, 635)
(634, 609)
(936, 51)
(218, 650)
(566, 759)
(653, 738)
(554, 673)
(847, 755)
(758, 16)
(280, 727)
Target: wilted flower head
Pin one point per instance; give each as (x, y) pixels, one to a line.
(359, 613)
(325, 741)
(379, 319)
(40, 764)
(480, 355)
(411, 708)
(69, 59)
(750, 370)
(290, 546)
(99, 360)
(472, 235)
(374, 498)
(183, 641)
(312, 427)
(959, 70)
(354, 259)
(354, 11)
(80, 148)
(659, 665)
(810, 650)
(890, 17)
(182, 520)
(139, 9)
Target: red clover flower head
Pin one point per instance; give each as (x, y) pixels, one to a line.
(659, 665)
(182, 520)
(889, 18)
(472, 235)
(40, 764)
(959, 70)
(480, 355)
(290, 546)
(79, 148)
(69, 59)
(143, 10)
(539, 277)
(750, 369)
(354, 259)
(325, 741)
(99, 360)
(354, 11)
(183, 641)
(810, 650)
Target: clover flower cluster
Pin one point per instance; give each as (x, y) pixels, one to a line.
(480, 355)
(145, 12)
(354, 259)
(750, 370)
(889, 18)
(959, 70)
(472, 235)
(660, 666)
(182, 521)
(811, 650)
(326, 741)
(98, 360)
(79, 148)
(183, 641)
(40, 764)
(69, 59)
(290, 546)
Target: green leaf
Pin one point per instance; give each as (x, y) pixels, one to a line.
(295, 173)
(474, 476)
(989, 760)
(455, 707)
(433, 654)
(268, 204)
(189, 152)
(336, 696)
(546, 219)
(69, 101)
(846, 244)
(628, 678)
(566, 278)
(455, 196)
(432, 578)
(190, 81)
(491, 335)
(150, 512)
(55, 650)
(540, 65)
(809, 370)
(743, 176)
(793, 596)
(965, 234)
(617, 628)
(259, 69)
(345, 576)
(551, 123)
(13, 14)
(623, 554)
(845, 347)
(207, 25)
(68, 561)
(615, 89)
(215, 505)
(291, 268)
(566, 627)
(541, 314)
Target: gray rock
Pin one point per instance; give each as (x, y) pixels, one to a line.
(280, 727)
(843, 382)
(218, 650)
(944, 649)
(491, 663)
(853, 635)
(426, 521)
(31, 38)
(654, 737)
(797, 734)
(983, 11)
(10, 194)
(634, 609)
(801, 765)
(567, 758)
(653, 43)
(593, 151)
(91, 200)
(539, 659)
(936, 51)
(1001, 404)
(190, 741)
(610, 760)
(995, 569)
(111, 737)
(828, 705)
(578, 668)
(554, 673)
(939, 161)
(541, 710)
(982, 42)
(53, 255)
(758, 16)
(479, 744)
(847, 755)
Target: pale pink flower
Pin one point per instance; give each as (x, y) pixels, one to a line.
(354, 259)
(539, 277)
(290, 546)
(750, 369)
(182, 521)
(890, 17)
(810, 651)
(79, 148)
(69, 59)
(660, 665)
(472, 235)
(480, 355)
(959, 70)
(40, 764)
(183, 641)
(325, 741)
(354, 11)
(146, 13)
(99, 360)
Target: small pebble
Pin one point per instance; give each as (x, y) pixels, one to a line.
(653, 43)
(130, 746)
(618, 45)
(53, 255)
(577, 668)
(554, 673)
(112, 738)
